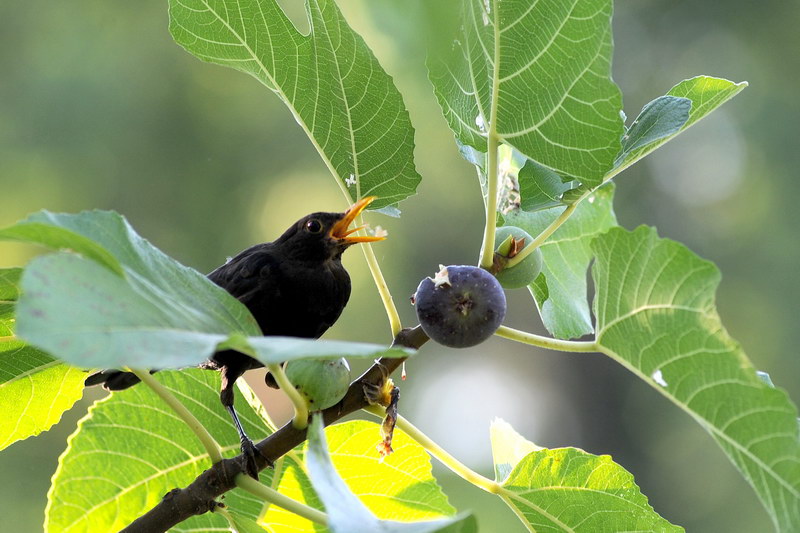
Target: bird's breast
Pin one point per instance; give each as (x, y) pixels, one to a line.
(308, 300)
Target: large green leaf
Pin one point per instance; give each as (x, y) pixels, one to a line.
(156, 313)
(346, 513)
(35, 390)
(131, 449)
(400, 487)
(538, 75)
(667, 116)
(656, 315)
(560, 290)
(108, 239)
(329, 79)
(567, 489)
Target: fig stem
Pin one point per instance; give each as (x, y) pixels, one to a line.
(525, 252)
(380, 284)
(545, 234)
(205, 438)
(276, 498)
(441, 454)
(300, 420)
(545, 342)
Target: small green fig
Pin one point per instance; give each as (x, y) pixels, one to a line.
(322, 382)
(509, 242)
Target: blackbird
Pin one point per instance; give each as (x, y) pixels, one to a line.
(294, 286)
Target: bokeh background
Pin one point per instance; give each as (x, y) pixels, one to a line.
(100, 109)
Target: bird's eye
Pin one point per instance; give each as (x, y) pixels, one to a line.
(314, 226)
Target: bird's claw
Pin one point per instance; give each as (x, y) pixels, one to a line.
(249, 462)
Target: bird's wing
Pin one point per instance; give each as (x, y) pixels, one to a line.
(249, 275)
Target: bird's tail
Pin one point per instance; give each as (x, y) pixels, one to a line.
(113, 379)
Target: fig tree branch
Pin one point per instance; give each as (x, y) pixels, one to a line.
(201, 495)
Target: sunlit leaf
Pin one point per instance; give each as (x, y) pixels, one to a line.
(35, 390)
(560, 290)
(567, 489)
(656, 315)
(131, 449)
(401, 487)
(544, 68)
(329, 79)
(346, 513)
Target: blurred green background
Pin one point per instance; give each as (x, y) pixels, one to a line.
(100, 109)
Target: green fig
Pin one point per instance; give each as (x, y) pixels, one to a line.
(322, 382)
(511, 241)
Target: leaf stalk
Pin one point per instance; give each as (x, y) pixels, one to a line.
(442, 455)
(493, 145)
(300, 420)
(546, 342)
(205, 438)
(383, 288)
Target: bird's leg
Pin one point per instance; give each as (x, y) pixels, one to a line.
(249, 450)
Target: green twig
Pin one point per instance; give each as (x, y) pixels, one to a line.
(545, 342)
(276, 498)
(208, 442)
(300, 420)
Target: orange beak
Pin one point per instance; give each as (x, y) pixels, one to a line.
(341, 230)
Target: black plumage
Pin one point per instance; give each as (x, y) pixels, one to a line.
(294, 286)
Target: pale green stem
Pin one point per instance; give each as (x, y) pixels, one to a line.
(383, 288)
(487, 248)
(9, 338)
(300, 420)
(545, 342)
(493, 143)
(549, 230)
(208, 442)
(276, 498)
(439, 453)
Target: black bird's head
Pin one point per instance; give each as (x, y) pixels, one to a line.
(323, 236)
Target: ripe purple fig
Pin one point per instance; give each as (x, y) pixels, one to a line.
(461, 306)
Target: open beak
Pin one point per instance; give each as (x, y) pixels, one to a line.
(341, 230)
